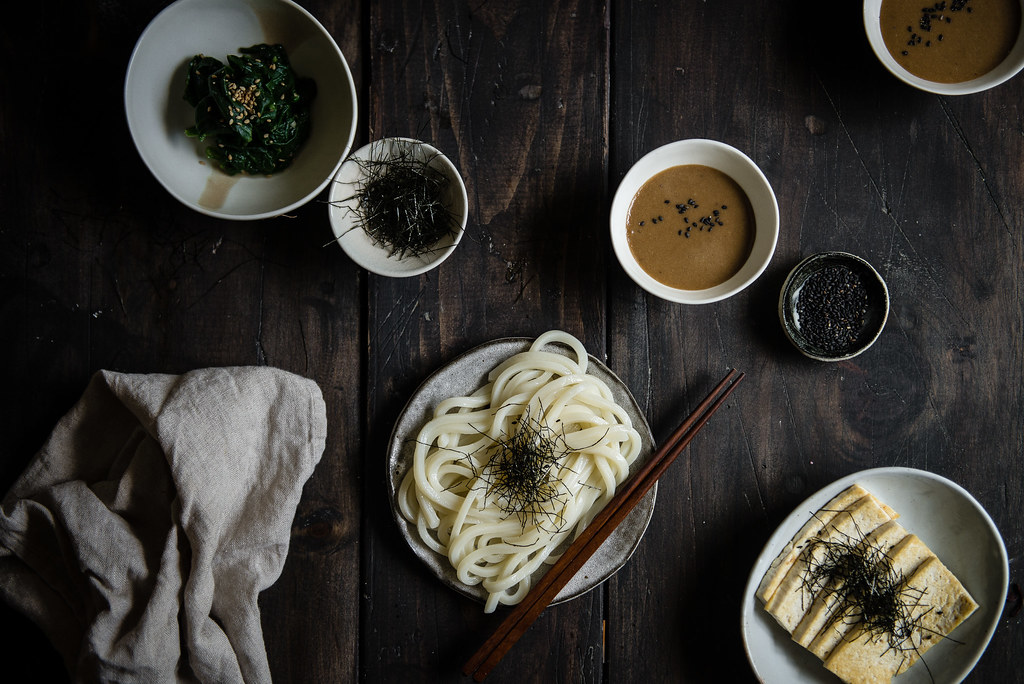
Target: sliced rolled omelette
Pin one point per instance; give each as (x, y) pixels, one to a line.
(883, 540)
(830, 621)
(866, 657)
(782, 563)
(790, 602)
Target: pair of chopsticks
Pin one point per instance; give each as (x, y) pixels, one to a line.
(538, 598)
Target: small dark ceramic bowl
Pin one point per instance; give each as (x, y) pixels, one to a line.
(811, 335)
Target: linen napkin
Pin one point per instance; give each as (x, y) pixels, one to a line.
(141, 534)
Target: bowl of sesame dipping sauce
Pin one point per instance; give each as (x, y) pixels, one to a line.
(948, 47)
(694, 222)
(833, 306)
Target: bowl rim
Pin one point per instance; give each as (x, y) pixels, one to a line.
(359, 245)
(730, 161)
(785, 301)
(1011, 65)
(151, 29)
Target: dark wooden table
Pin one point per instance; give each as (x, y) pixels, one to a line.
(543, 106)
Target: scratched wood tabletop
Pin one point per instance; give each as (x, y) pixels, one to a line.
(543, 107)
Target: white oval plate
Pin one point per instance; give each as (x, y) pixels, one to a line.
(461, 377)
(946, 518)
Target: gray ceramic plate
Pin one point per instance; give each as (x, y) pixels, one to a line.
(461, 377)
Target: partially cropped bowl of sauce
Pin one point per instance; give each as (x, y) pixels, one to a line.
(690, 227)
(950, 41)
(948, 47)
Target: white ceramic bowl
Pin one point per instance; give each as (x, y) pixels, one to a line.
(358, 245)
(158, 115)
(1009, 67)
(733, 163)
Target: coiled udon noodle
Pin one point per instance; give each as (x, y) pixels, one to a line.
(465, 490)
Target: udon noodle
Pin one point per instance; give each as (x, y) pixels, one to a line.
(503, 478)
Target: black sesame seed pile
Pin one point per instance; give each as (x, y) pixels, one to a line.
(938, 14)
(831, 309)
(702, 223)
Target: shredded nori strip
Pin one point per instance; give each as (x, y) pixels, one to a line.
(857, 579)
(255, 109)
(523, 472)
(400, 201)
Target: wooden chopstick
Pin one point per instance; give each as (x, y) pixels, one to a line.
(523, 614)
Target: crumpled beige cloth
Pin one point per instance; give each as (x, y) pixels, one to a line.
(141, 534)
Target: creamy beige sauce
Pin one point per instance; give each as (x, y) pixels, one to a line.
(690, 227)
(949, 41)
(215, 192)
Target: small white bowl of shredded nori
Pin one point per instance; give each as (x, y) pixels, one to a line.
(833, 306)
(241, 109)
(398, 207)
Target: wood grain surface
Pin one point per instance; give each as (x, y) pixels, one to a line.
(543, 107)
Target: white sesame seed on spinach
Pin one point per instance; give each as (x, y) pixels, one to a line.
(255, 109)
